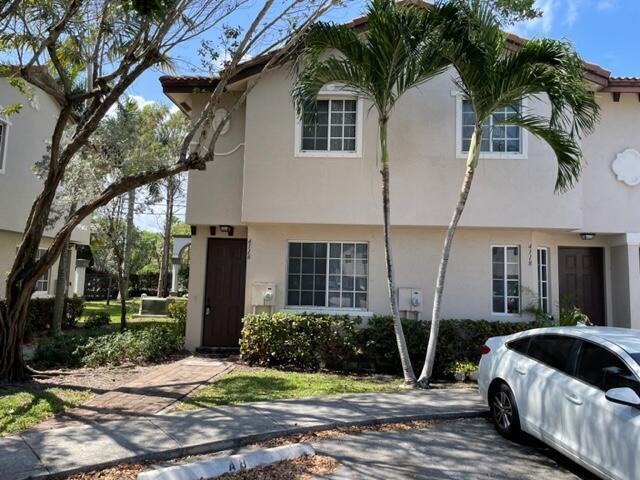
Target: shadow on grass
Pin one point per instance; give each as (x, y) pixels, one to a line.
(22, 406)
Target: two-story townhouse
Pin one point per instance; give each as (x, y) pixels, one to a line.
(23, 138)
(289, 215)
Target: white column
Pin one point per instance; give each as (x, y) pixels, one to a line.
(175, 268)
(633, 256)
(81, 268)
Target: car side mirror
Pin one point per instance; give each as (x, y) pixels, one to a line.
(623, 396)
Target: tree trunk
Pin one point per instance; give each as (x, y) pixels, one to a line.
(62, 282)
(109, 283)
(13, 319)
(126, 263)
(472, 161)
(166, 241)
(407, 368)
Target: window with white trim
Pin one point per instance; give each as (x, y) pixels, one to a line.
(4, 130)
(328, 274)
(497, 137)
(42, 285)
(505, 267)
(331, 128)
(543, 279)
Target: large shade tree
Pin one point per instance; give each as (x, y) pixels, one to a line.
(85, 54)
(399, 51)
(493, 77)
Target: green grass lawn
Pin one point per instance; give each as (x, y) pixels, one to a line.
(21, 408)
(113, 309)
(251, 386)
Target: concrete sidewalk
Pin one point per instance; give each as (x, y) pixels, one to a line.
(39, 454)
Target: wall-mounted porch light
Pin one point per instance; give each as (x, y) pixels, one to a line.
(587, 236)
(228, 229)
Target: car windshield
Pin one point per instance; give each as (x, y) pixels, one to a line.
(636, 357)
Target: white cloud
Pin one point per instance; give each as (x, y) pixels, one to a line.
(554, 11)
(139, 99)
(606, 4)
(541, 24)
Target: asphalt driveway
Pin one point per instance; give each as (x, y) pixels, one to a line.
(454, 450)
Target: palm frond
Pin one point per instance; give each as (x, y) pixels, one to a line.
(566, 149)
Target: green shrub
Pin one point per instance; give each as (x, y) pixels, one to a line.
(97, 319)
(307, 342)
(140, 346)
(40, 314)
(315, 341)
(61, 351)
(177, 309)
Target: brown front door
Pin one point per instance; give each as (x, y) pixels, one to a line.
(224, 292)
(581, 274)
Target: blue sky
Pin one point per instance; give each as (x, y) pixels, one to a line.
(604, 32)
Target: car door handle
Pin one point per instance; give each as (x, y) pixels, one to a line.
(573, 399)
(520, 370)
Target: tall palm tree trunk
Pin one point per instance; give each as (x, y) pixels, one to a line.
(166, 240)
(472, 161)
(407, 368)
(62, 281)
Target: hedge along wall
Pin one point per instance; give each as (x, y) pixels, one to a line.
(40, 314)
(312, 342)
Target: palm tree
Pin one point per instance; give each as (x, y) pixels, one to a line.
(398, 52)
(493, 77)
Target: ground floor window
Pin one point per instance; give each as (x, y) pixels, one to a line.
(328, 274)
(543, 279)
(505, 262)
(42, 285)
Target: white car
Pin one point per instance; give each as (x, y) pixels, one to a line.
(575, 388)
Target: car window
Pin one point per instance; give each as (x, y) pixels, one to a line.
(552, 350)
(603, 369)
(521, 345)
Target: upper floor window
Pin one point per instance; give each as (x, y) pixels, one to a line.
(505, 267)
(333, 130)
(4, 130)
(328, 274)
(499, 139)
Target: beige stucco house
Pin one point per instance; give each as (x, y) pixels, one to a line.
(23, 139)
(289, 216)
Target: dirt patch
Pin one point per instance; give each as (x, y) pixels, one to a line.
(119, 472)
(302, 468)
(98, 380)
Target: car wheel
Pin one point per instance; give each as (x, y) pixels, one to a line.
(504, 412)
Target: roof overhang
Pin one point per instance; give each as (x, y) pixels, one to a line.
(180, 88)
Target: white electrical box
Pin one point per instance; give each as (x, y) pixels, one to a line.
(410, 299)
(263, 294)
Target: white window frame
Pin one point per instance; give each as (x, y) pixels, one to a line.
(524, 144)
(47, 281)
(3, 145)
(506, 297)
(539, 281)
(332, 92)
(363, 312)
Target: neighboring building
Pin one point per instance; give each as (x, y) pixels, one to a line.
(23, 138)
(297, 209)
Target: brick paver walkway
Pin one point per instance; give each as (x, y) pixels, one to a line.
(146, 395)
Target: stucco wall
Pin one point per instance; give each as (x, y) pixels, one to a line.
(416, 256)
(276, 186)
(215, 194)
(9, 242)
(26, 144)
